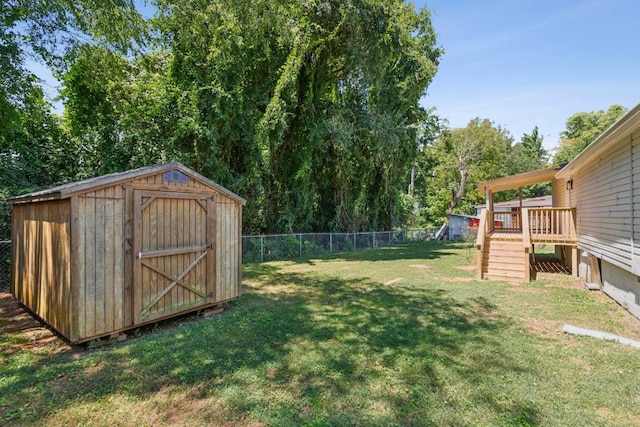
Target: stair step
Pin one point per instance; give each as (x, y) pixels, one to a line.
(507, 246)
(504, 258)
(504, 277)
(503, 266)
(505, 254)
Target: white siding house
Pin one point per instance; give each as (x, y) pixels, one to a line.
(603, 185)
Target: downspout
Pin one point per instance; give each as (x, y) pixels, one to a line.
(634, 267)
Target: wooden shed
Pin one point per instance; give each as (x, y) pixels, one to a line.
(103, 255)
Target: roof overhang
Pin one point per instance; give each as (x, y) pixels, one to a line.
(520, 180)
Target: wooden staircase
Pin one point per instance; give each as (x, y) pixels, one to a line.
(504, 259)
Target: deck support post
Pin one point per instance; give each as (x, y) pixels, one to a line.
(482, 231)
(526, 240)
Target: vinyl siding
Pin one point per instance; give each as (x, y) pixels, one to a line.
(604, 194)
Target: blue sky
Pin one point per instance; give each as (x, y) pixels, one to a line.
(523, 63)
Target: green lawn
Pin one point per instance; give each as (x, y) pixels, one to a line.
(398, 336)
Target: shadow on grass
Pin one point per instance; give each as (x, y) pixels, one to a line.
(300, 349)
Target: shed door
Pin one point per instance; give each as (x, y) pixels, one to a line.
(174, 254)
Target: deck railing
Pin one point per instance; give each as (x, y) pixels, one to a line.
(550, 225)
(507, 222)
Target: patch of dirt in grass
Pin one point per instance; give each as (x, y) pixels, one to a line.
(543, 327)
(559, 280)
(171, 408)
(466, 267)
(421, 266)
(392, 281)
(27, 333)
(457, 279)
(584, 364)
(604, 412)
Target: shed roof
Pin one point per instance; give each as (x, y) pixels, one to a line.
(520, 180)
(65, 191)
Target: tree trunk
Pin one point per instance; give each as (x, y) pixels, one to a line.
(412, 182)
(459, 194)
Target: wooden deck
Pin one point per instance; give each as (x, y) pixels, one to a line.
(506, 240)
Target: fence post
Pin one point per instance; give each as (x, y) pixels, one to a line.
(261, 248)
(330, 242)
(354, 241)
(300, 236)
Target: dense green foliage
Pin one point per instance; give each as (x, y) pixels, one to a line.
(311, 111)
(583, 128)
(451, 165)
(35, 149)
(307, 109)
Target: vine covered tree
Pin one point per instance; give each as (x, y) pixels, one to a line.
(310, 110)
(306, 108)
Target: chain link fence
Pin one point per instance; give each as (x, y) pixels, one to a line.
(5, 265)
(278, 247)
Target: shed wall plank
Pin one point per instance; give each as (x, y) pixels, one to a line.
(99, 262)
(42, 261)
(90, 266)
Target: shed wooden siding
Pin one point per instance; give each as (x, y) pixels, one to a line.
(41, 258)
(104, 299)
(229, 248)
(605, 190)
(98, 269)
(107, 254)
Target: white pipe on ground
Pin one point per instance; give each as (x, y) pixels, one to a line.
(574, 330)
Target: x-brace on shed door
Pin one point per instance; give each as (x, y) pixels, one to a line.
(174, 253)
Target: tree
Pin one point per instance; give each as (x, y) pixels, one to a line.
(582, 128)
(527, 155)
(462, 158)
(119, 112)
(306, 108)
(34, 150)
